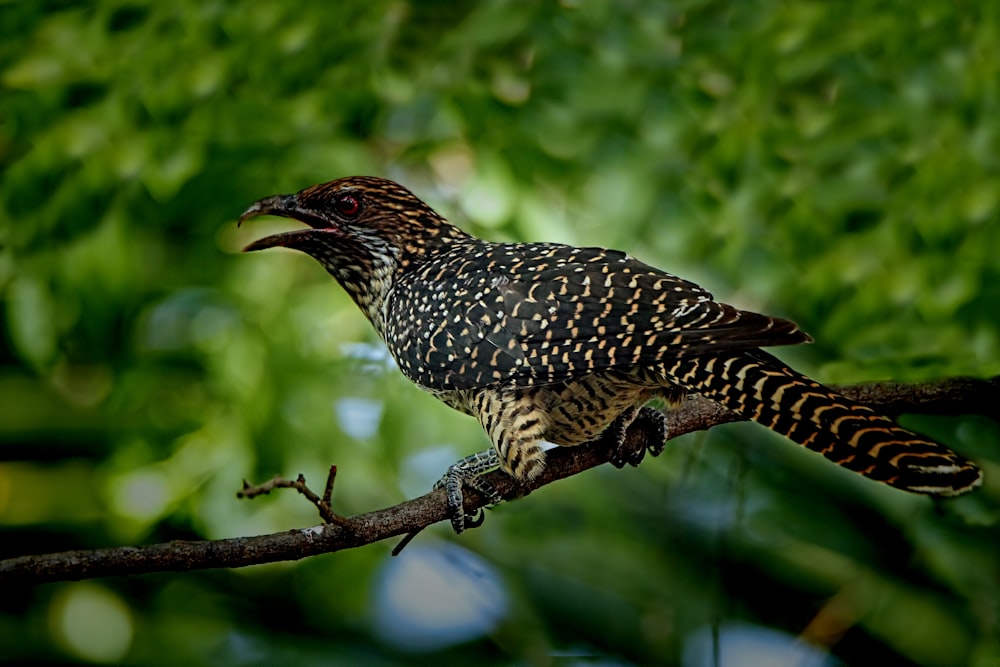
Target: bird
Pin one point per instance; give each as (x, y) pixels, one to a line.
(552, 343)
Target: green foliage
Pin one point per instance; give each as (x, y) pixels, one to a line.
(836, 163)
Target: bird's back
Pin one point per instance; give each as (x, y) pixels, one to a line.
(476, 314)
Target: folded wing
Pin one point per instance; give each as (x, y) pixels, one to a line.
(580, 310)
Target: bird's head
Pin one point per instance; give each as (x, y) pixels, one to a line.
(363, 229)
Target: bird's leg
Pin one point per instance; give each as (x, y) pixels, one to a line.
(633, 433)
(515, 425)
(469, 471)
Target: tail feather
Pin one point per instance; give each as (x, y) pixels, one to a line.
(758, 386)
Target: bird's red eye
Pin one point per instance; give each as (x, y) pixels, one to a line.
(348, 206)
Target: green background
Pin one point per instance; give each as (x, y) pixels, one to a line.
(834, 163)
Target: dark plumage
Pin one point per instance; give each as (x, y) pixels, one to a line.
(542, 341)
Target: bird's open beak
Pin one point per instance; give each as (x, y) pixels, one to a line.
(285, 206)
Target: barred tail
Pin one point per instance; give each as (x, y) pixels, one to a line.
(760, 387)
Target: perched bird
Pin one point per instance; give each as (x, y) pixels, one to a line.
(550, 342)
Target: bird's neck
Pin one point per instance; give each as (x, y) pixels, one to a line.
(370, 284)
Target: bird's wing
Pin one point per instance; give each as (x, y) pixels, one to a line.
(531, 314)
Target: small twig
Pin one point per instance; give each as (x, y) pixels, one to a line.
(328, 491)
(396, 550)
(252, 491)
(326, 513)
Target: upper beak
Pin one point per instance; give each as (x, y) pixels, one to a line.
(281, 205)
(285, 206)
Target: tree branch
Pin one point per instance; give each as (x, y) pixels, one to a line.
(951, 396)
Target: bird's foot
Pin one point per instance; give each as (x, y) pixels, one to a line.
(469, 471)
(634, 433)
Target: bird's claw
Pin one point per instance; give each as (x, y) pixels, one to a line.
(636, 433)
(469, 471)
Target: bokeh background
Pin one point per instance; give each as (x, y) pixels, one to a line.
(835, 163)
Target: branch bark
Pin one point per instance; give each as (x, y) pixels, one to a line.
(952, 396)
